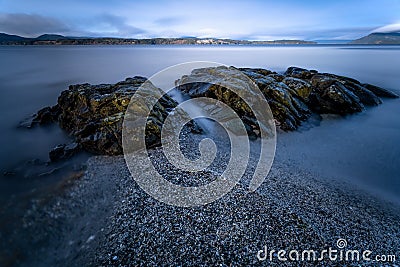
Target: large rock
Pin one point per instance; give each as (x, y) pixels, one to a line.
(337, 94)
(300, 88)
(94, 114)
(380, 91)
(294, 95)
(45, 116)
(300, 73)
(207, 82)
(285, 104)
(336, 99)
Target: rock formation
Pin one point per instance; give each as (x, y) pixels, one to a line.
(93, 114)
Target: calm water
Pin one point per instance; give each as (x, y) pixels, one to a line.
(364, 148)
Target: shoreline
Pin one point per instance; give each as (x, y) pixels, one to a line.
(104, 218)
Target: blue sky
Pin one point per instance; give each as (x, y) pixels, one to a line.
(252, 20)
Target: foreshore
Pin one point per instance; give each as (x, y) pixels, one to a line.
(101, 217)
(104, 218)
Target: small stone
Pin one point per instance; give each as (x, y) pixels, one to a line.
(90, 239)
(62, 151)
(8, 173)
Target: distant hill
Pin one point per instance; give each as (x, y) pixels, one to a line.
(11, 38)
(55, 39)
(50, 37)
(379, 38)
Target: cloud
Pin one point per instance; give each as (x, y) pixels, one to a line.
(113, 26)
(311, 33)
(30, 24)
(169, 21)
(348, 33)
(395, 27)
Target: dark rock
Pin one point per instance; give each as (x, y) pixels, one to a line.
(94, 114)
(335, 99)
(321, 81)
(292, 96)
(366, 96)
(47, 115)
(295, 94)
(341, 78)
(301, 88)
(380, 91)
(277, 77)
(252, 72)
(282, 116)
(300, 73)
(287, 110)
(62, 152)
(350, 88)
(190, 85)
(283, 99)
(44, 116)
(9, 173)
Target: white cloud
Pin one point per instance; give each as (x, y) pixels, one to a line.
(236, 19)
(30, 25)
(395, 27)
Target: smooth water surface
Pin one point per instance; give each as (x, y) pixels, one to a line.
(363, 148)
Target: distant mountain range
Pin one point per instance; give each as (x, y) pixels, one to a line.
(54, 39)
(379, 39)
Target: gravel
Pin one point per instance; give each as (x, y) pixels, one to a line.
(105, 219)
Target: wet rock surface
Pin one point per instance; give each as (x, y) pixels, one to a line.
(94, 114)
(105, 219)
(294, 95)
(64, 151)
(45, 116)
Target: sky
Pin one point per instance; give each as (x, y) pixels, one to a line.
(250, 20)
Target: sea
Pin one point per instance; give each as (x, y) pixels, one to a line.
(363, 149)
